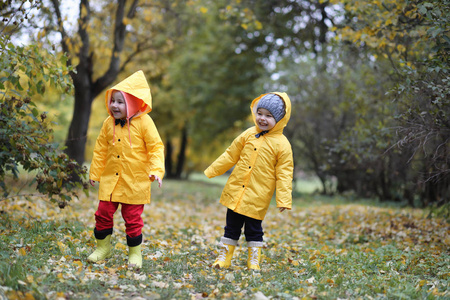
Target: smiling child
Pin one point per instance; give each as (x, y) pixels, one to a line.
(262, 160)
(128, 156)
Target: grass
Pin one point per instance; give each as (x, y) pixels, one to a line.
(323, 249)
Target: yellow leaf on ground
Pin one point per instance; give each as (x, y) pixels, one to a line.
(22, 251)
(78, 263)
(121, 246)
(29, 296)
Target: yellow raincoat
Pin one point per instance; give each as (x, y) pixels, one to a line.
(124, 157)
(261, 165)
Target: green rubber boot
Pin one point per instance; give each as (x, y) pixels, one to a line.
(135, 257)
(103, 251)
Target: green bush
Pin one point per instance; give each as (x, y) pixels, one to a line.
(26, 137)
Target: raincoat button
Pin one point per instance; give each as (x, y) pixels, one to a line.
(243, 186)
(118, 156)
(119, 141)
(255, 148)
(117, 173)
(249, 167)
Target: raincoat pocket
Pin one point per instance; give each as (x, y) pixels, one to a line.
(143, 185)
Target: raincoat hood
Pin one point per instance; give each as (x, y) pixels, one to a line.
(279, 126)
(136, 92)
(138, 99)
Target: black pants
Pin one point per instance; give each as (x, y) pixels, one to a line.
(253, 230)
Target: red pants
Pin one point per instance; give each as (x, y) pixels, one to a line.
(104, 217)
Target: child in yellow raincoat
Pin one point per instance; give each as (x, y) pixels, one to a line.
(262, 160)
(128, 156)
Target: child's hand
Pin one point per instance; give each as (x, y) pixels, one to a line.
(282, 208)
(92, 182)
(156, 177)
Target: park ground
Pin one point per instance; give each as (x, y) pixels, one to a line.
(324, 248)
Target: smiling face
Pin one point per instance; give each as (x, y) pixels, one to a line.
(118, 106)
(264, 119)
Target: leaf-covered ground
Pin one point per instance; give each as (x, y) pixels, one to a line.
(325, 251)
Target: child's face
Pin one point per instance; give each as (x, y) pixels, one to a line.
(118, 106)
(264, 119)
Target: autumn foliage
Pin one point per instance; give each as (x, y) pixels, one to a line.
(317, 250)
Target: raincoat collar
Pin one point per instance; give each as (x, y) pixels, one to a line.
(279, 126)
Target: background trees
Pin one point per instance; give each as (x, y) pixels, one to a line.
(206, 87)
(379, 106)
(368, 82)
(413, 37)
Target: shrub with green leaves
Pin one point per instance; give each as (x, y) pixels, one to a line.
(26, 137)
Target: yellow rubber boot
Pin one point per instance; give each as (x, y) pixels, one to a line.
(254, 255)
(103, 251)
(226, 252)
(135, 257)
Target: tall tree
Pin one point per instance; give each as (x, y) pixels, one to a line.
(109, 36)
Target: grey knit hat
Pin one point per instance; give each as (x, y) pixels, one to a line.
(274, 104)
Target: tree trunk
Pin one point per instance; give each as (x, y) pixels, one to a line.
(323, 180)
(77, 135)
(168, 159)
(182, 153)
(85, 88)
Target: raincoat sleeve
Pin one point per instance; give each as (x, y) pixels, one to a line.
(284, 176)
(228, 159)
(100, 152)
(155, 149)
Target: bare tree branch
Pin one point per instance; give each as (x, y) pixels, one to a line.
(132, 10)
(119, 40)
(62, 31)
(84, 55)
